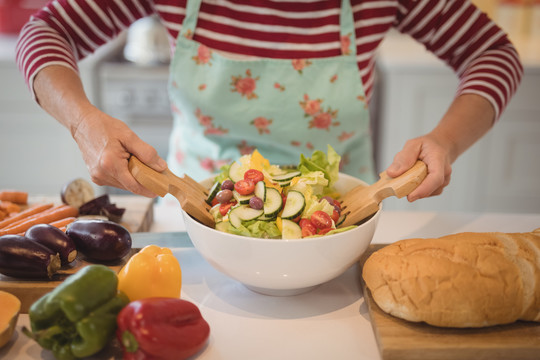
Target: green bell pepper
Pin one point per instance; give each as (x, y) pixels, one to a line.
(78, 318)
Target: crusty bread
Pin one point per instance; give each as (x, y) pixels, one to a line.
(460, 280)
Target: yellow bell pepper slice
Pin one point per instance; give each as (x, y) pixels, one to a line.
(152, 272)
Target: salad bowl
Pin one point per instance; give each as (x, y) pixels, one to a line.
(283, 267)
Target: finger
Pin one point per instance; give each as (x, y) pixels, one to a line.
(128, 182)
(113, 171)
(146, 153)
(404, 159)
(437, 179)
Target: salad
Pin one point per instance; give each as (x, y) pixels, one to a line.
(251, 197)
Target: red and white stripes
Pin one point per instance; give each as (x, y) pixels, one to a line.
(459, 34)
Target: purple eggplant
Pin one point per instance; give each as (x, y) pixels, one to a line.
(21, 257)
(102, 206)
(55, 239)
(100, 240)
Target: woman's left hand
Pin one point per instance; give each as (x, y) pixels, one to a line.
(436, 156)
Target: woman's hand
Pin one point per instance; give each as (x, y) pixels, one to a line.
(469, 117)
(434, 154)
(106, 144)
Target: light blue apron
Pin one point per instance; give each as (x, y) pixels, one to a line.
(224, 108)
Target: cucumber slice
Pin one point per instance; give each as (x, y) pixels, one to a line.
(273, 203)
(242, 199)
(222, 226)
(290, 230)
(283, 183)
(264, 217)
(260, 190)
(214, 211)
(294, 205)
(243, 213)
(236, 171)
(213, 192)
(286, 177)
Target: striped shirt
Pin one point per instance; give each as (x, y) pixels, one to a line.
(458, 33)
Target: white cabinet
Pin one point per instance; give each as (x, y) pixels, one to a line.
(499, 173)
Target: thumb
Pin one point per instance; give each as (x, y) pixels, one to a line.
(403, 161)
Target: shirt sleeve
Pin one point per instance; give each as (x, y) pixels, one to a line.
(469, 42)
(66, 31)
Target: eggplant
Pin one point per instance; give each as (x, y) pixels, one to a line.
(77, 192)
(102, 206)
(100, 240)
(21, 257)
(55, 239)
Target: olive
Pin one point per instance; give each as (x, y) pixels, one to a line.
(256, 203)
(224, 196)
(227, 185)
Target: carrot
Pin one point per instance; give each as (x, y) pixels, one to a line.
(9, 207)
(63, 222)
(56, 213)
(36, 209)
(18, 197)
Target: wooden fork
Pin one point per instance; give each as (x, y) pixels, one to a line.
(191, 195)
(363, 201)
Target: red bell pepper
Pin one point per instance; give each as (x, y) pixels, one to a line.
(161, 329)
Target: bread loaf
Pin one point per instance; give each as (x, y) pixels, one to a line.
(460, 280)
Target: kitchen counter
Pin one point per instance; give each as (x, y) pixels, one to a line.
(330, 322)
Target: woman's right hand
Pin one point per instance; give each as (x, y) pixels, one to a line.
(106, 143)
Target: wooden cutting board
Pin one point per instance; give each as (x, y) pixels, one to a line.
(139, 213)
(404, 340)
(137, 218)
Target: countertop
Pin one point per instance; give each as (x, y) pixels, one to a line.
(330, 322)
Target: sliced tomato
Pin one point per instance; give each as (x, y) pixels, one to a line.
(335, 216)
(253, 175)
(224, 208)
(307, 227)
(321, 220)
(214, 202)
(244, 187)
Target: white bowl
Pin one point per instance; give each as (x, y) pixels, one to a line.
(283, 267)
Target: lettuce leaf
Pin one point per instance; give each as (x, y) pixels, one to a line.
(328, 164)
(256, 228)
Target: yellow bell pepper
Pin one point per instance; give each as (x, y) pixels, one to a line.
(152, 272)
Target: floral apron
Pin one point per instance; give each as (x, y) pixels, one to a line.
(224, 108)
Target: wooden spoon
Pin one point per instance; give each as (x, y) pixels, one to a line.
(191, 195)
(363, 201)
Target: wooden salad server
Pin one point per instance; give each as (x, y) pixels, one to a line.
(191, 195)
(363, 201)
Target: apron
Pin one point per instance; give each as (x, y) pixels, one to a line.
(224, 108)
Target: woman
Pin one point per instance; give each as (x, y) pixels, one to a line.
(283, 77)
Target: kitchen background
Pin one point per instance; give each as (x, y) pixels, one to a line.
(501, 173)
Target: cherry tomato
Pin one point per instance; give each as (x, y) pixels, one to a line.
(303, 221)
(307, 227)
(244, 187)
(253, 175)
(321, 220)
(224, 208)
(335, 216)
